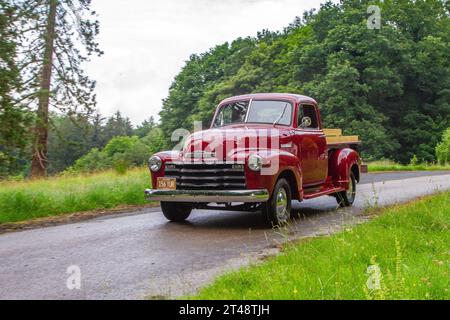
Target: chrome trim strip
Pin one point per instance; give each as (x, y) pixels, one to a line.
(219, 196)
(248, 110)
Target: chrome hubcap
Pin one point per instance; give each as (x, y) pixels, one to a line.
(282, 205)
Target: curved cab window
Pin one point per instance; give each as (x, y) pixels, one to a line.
(231, 113)
(308, 111)
(256, 111)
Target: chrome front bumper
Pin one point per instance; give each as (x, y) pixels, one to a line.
(219, 196)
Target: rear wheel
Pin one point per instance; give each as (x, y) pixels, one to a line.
(176, 211)
(277, 211)
(347, 197)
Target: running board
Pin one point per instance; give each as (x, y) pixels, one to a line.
(321, 193)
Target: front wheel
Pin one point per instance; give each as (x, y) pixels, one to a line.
(175, 211)
(277, 211)
(347, 197)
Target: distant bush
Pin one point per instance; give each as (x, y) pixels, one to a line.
(414, 161)
(92, 161)
(443, 148)
(120, 145)
(120, 153)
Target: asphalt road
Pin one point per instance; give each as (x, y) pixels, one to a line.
(140, 255)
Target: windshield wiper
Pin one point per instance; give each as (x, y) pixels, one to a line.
(281, 115)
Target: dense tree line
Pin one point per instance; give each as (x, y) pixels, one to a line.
(83, 138)
(388, 85)
(121, 152)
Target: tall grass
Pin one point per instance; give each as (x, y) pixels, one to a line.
(71, 193)
(388, 165)
(408, 245)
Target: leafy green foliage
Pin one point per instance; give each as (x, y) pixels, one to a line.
(73, 136)
(120, 153)
(390, 86)
(69, 139)
(120, 145)
(115, 126)
(443, 149)
(145, 127)
(414, 161)
(14, 117)
(198, 76)
(75, 29)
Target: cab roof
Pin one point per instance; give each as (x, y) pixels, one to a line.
(272, 96)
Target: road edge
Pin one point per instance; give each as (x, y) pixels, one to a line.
(70, 218)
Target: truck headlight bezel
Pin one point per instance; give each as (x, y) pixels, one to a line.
(154, 163)
(255, 162)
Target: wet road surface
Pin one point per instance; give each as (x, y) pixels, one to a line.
(139, 254)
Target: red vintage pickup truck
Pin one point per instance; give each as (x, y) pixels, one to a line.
(261, 152)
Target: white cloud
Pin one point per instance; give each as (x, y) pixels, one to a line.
(146, 42)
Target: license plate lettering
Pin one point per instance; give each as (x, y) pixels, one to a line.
(166, 183)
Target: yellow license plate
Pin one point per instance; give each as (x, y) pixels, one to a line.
(166, 183)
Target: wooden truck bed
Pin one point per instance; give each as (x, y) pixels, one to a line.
(335, 138)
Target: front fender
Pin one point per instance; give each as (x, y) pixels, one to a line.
(166, 156)
(339, 166)
(275, 163)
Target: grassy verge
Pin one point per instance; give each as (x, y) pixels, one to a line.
(26, 200)
(392, 166)
(409, 244)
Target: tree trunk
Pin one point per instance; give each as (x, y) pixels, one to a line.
(39, 160)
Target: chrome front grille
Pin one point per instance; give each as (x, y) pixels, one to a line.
(198, 176)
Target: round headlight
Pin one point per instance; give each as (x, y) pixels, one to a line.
(255, 162)
(154, 163)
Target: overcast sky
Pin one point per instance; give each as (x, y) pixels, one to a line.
(146, 43)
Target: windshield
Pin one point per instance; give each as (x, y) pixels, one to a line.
(256, 111)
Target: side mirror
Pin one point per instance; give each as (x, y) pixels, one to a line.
(306, 122)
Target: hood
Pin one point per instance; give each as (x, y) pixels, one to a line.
(233, 143)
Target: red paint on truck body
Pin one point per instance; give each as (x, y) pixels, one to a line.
(312, 168)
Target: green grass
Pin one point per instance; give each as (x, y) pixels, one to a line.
(409, 243)
(26, 200)
(387, 165)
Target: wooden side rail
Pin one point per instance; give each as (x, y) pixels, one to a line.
(334, 136)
